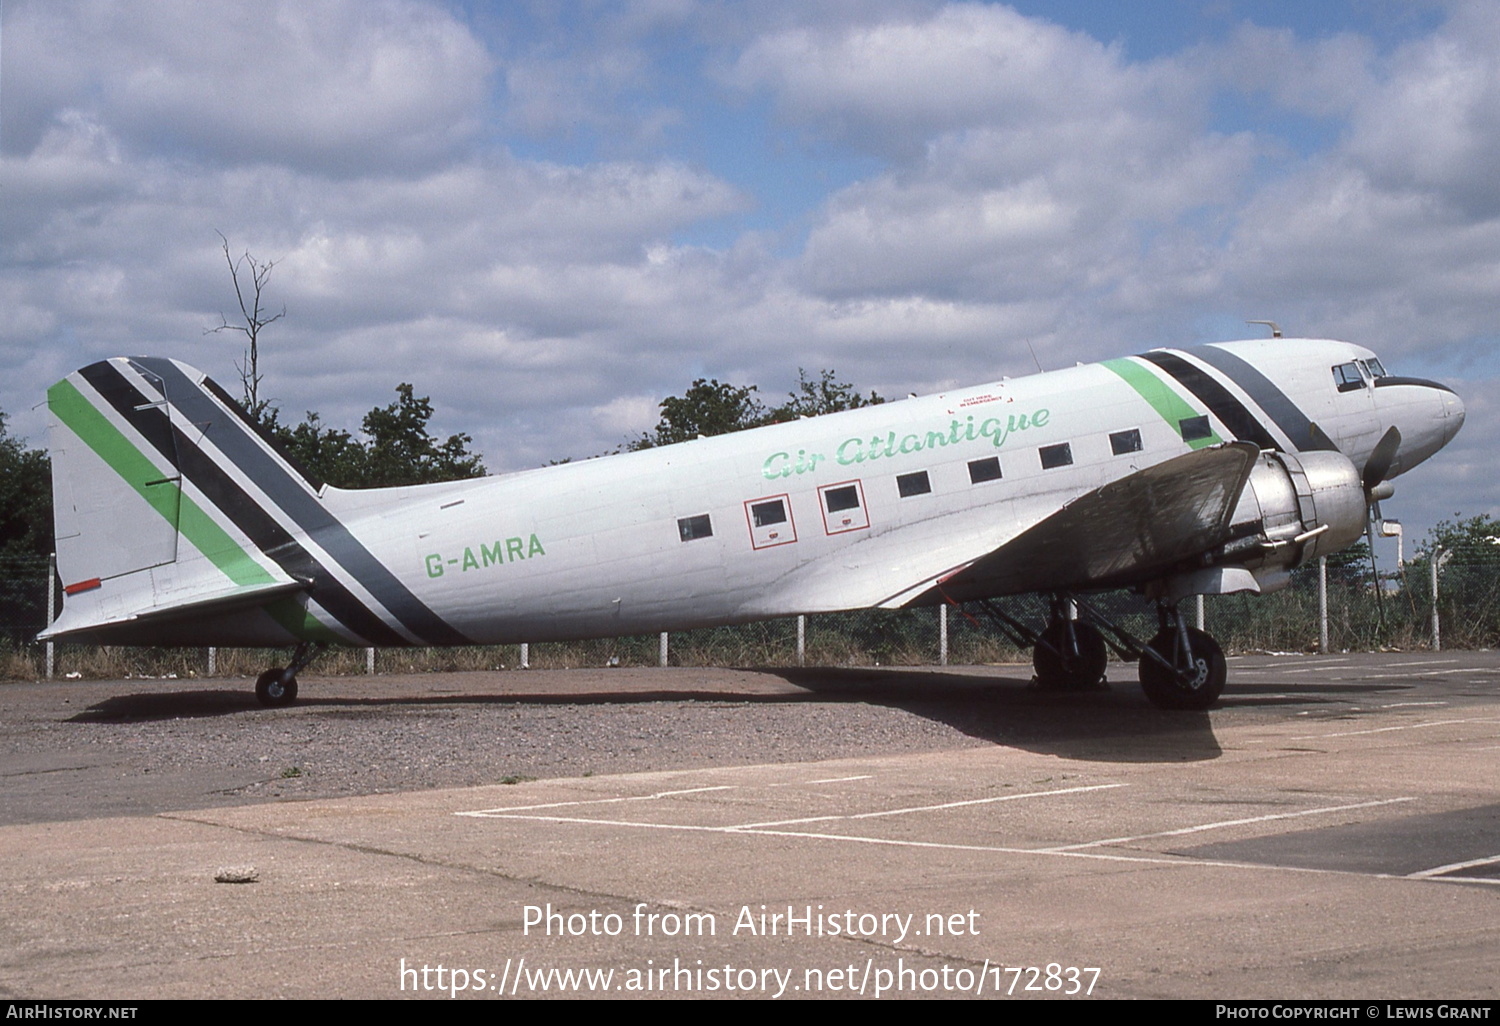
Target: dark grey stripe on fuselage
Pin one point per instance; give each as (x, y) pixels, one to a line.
(294, 499)
(1286, 414)
(1389, 380)
(1232, 413)
(219, 489)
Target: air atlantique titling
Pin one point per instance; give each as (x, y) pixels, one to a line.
(858, 450)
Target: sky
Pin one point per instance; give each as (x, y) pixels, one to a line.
(550, 216)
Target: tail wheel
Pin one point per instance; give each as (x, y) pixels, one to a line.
(1196, 683)
(276, 687)
(1057, 668)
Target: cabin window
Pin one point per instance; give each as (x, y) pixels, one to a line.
(767, 514)
(1347, 377)
(1059, 455)
(840, 499)
(770, 520)
(1121, 442)
(913, 484)
(692, 528)
(1194, 428)
(844, 507)
(987, 469)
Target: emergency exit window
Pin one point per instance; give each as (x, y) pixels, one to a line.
(840, 499)
(770, 520)
(843, 507)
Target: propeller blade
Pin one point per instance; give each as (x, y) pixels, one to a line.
(1381, 458)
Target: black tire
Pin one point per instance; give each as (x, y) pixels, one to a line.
(1168, 689)
(276, 687)
(1054, 669)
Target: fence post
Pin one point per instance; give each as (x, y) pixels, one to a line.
(1438, 558)
(370, 660)
(661, 652)
(525, 656)
(943, 634)
(1323, 604)
(801, 639)
(213, 661)
(51, 606)
(1200, 612)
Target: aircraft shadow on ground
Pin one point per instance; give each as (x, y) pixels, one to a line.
(1111, 723)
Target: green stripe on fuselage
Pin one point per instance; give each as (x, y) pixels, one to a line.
(1168, 404)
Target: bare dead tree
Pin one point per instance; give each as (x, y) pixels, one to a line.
(251, 309)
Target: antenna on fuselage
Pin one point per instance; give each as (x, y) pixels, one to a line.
(1275, 328)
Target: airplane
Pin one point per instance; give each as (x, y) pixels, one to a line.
(1175, 472)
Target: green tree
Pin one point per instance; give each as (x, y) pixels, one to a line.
(25, 498)
(395, 448)
(825, 395)
(712, 407)
(1472, 540)
(707, 408)
(25, 537)
(401, 451)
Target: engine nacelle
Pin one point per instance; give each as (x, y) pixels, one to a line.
(1295, 508)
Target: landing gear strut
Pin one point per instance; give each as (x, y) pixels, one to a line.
(1069, 654)
(1182, 667)
(278, 685)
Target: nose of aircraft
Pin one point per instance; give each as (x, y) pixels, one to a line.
(1427, 413)
(1453, 415)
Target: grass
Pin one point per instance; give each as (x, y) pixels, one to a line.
(1284, 621)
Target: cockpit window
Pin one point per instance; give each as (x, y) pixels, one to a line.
(1347, 377)
(1376, 369)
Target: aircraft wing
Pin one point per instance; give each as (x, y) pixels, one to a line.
(1126, 532)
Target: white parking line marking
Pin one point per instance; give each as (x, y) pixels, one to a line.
(1452, 868)
(1227, 823)
(596, 801)
(924, 808)
(1384, 730)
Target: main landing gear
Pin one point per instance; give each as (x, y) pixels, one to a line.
(278, 685)
(1181, 667)
(1070, 654)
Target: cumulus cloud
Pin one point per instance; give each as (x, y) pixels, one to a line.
(1018, 187)
(337, 85)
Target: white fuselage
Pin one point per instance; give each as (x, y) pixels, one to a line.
(611, 545)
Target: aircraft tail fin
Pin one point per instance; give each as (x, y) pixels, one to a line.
(161, 487)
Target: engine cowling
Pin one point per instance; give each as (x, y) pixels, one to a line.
(1295, 508)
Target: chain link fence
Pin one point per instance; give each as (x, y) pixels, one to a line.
(1361, 617)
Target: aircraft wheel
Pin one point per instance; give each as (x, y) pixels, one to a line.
(1195, 687)
(1054, 669)
(276, 687)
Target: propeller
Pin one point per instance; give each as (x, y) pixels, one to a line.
(1373, 479)
(1376, 488)
(1380, 461)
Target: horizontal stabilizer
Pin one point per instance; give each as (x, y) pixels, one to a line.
(227, 600)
